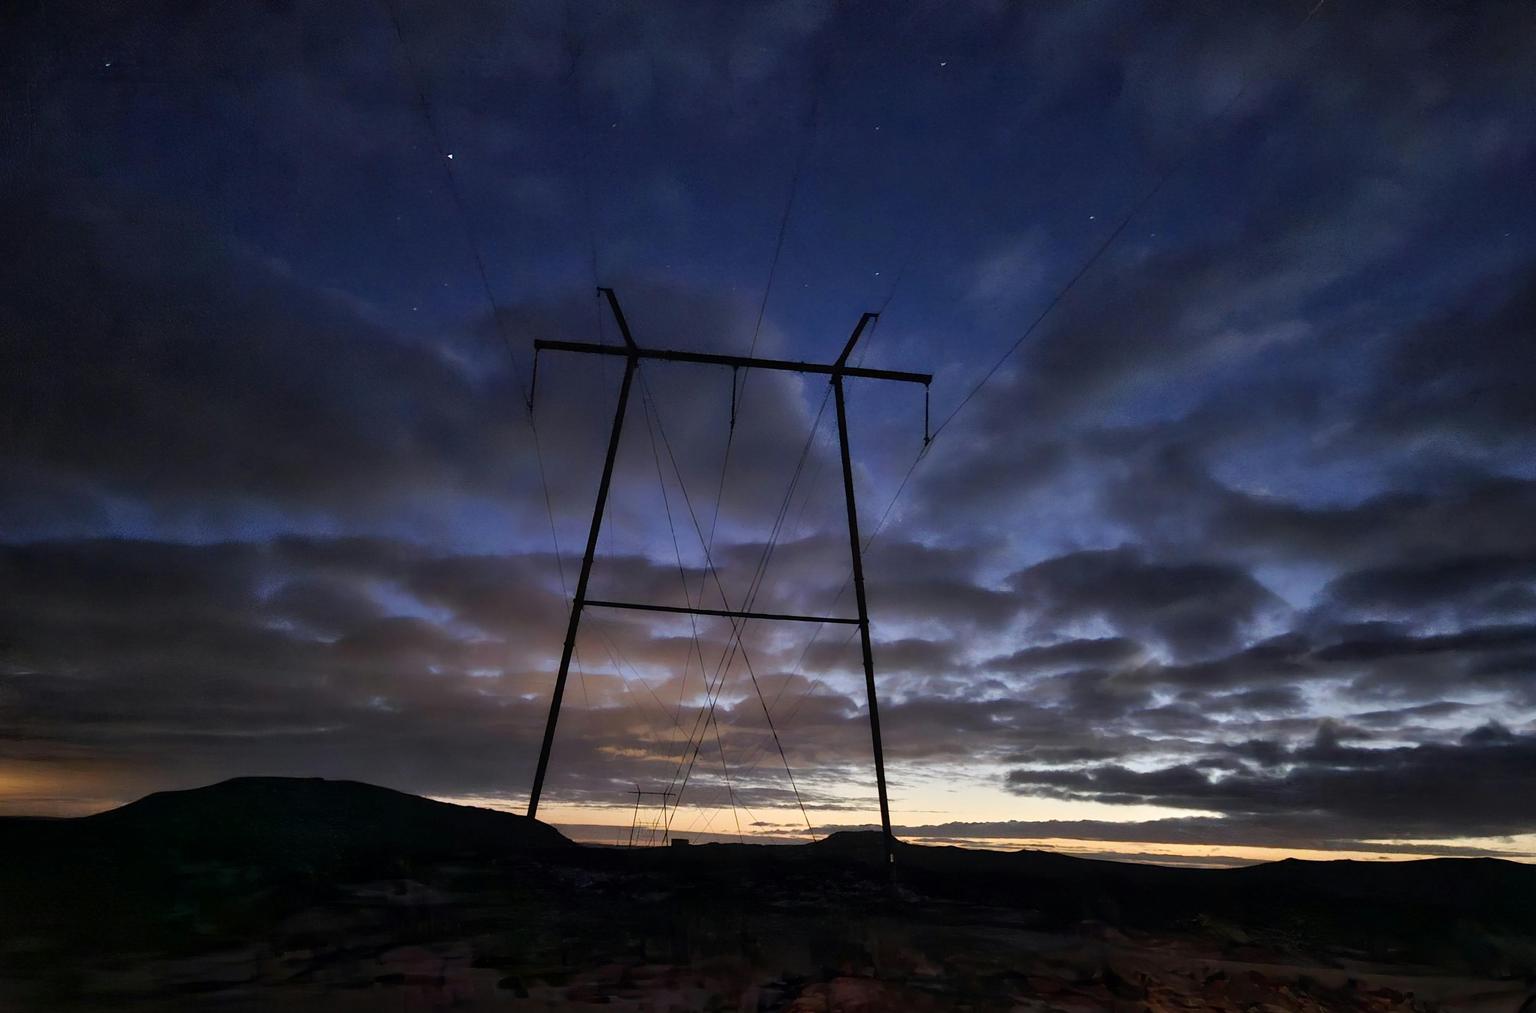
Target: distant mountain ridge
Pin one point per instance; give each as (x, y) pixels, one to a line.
(314, 825)
(1451, 887)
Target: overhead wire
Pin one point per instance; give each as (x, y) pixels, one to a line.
(651, 411)
(711, 686)
(682, 573)
(708, 713)
(738, 386)
(1184, 158)
(736, 393)
(445, 159)
(575, 47)
(863, 354)
(754, 758)
(756, 586)
(758, 577)
(774, 538)
(809, 127)
(737, 626)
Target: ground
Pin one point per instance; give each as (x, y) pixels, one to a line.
(173, 910)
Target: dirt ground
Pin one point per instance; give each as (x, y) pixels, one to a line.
(463, 943)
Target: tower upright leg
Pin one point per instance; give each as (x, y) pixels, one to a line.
(581, 584)
(863, 606)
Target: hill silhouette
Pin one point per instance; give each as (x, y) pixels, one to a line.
(176, 864)
(289, 821)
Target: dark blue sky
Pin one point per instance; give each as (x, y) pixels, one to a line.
(1236, 540)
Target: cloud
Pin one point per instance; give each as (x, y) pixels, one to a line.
(272, 504)
(130, 406)
(1479, 786)
(188, 349)
(1193, 608)
(1193, 832)
(1067, 654)
(1461, 587)
(1468, 518)
(1008, 276)
(695, 60)
(371, 657)
(148, 661)
(1463, 377)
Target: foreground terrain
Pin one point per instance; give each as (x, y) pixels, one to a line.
(309, 895)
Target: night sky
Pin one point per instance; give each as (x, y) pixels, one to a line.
(1233, 555)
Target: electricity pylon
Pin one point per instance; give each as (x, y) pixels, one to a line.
(837, 372)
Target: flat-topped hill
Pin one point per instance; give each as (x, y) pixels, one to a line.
(275, 817)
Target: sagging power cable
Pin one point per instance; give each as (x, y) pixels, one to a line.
(737, 625)
(1185, 157)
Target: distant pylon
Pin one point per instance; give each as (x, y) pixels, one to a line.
(634, 822)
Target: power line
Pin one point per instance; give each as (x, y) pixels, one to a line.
(650, 411)
(809, 126)
(738, 627)
(682, 573)
(574, 47)
(756, 585)
(1178, 164)
(445, 159)
(760, 573)
(1146, 198)
(776, 532)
